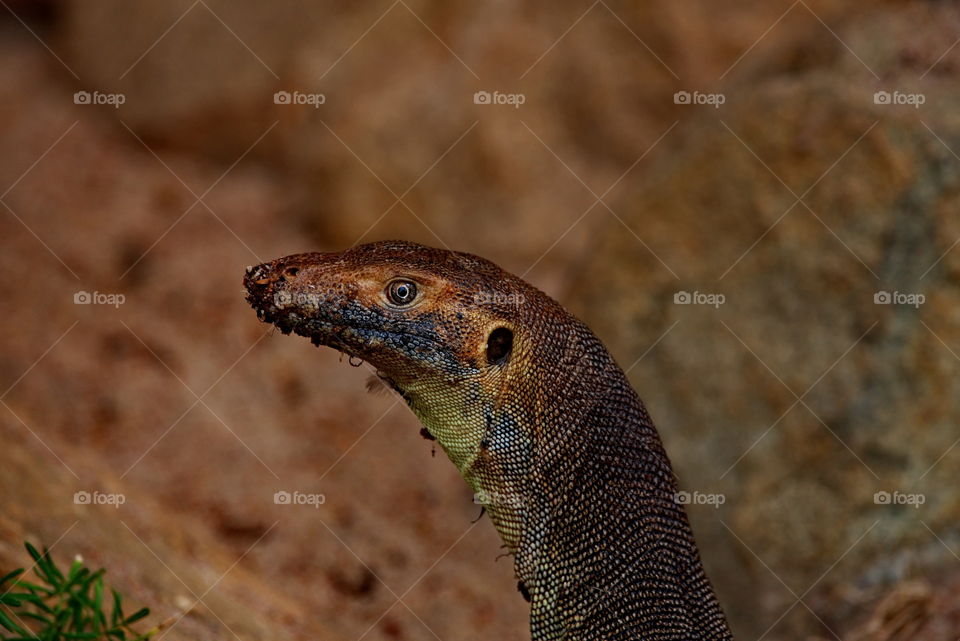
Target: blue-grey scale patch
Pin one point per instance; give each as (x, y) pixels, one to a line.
(505, 437)
(354, 328)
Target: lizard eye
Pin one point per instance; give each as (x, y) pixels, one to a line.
(401, 292)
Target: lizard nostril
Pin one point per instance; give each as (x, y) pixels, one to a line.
(256, 275)
(290, 272)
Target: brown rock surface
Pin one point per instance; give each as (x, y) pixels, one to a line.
(398, 81)
(799, 398)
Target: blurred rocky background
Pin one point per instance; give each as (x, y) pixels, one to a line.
(771, 252)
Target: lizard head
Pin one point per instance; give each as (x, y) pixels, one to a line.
(439, 326)
(409, 310)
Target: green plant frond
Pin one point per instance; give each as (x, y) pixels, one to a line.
(10, 576)
(8, 623)
(63, 606)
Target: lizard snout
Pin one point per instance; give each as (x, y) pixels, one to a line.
(294, 295)
(257, 278)
(263, 283)
(263, 278)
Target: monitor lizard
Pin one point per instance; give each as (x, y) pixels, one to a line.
(537, 417)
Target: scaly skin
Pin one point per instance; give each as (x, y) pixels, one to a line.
(537, 417)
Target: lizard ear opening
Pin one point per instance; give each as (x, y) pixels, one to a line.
(499, 345)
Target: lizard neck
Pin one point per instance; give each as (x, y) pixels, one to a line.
(566, 460)
(489, 445)
(607, 552)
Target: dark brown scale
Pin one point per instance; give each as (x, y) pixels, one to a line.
(602, 550)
